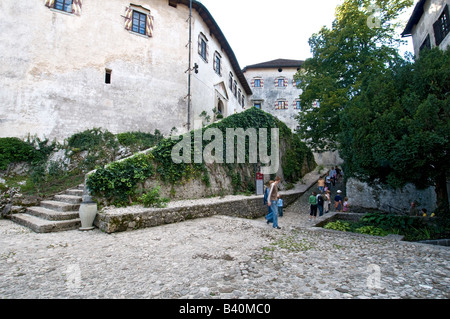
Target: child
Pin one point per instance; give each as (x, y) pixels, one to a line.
(280, 206)
(346, 205)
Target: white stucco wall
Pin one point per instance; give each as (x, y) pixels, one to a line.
(52, 69)
(269, 94)
(432, 11)
(207, 85)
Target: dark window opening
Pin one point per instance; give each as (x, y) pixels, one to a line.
(442, 26)
(108, 76)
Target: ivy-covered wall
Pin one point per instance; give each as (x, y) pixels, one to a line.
(124, 183)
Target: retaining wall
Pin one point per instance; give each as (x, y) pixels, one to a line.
(236, 206)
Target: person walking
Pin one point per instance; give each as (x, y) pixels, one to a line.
(272, 203)
(269, 217)
(313, 206)
(328, 201)
(338, 201)
(320, 202)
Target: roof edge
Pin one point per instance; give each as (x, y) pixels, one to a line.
(215, 29)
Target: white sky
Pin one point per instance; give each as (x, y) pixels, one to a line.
(264, 30)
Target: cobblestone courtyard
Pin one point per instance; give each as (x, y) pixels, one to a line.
(219, 257)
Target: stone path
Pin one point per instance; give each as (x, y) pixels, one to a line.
(219, 257)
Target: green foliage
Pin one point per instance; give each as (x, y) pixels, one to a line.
(343, 58)
(153, 199)
(91, 139)
(371, 230)
(338, 225)
(397, 130)
(117, 183)
(14, 150)
(139, 141)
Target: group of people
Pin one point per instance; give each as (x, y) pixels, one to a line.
(318, 201)
(414, 211)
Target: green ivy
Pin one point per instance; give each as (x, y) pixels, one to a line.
(117, 182)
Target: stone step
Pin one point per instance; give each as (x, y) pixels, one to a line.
(80, 187)
(74, 192)
(51, 214)
(59, 206)
(40, 225)
(71, 199)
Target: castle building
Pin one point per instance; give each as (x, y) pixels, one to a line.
(429, 25)
(71, 65)
(275, 90)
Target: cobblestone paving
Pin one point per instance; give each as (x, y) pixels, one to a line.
(219, 257)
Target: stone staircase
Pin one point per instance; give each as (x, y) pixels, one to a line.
(55, 215)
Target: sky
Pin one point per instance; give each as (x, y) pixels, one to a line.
(264, 30)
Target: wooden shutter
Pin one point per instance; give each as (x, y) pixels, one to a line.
(49, 3)
(262, 82)
(253, 83)
(286, 82)
(128, 18)
(76, 6)
(149, 26)
(276, 83)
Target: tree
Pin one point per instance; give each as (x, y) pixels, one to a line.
(344, 56)
(397, 130)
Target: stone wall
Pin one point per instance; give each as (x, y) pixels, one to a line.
(363, 196)
(137, 217)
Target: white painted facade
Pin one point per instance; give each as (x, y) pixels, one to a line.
(54, 65)
(276, 92)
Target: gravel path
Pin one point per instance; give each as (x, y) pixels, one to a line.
(219, 257)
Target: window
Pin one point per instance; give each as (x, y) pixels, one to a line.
(239, 96)
(243, 101)
(217, 65)
(281, 105)
(63, 5)
(257, 105)
(231, 82)
(203, 47)
(235, 88)
(426, 44)
(108, 76)
(442, 26)
(139, 22)
(281, 82)
(257, 83)
(297, 105)
(296, 82)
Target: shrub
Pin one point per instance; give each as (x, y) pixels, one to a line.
(153, 199)
(371, 230)
(118, 181)
(338, 225)
(14, 150)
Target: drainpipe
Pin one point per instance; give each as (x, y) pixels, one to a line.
(190, 68)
